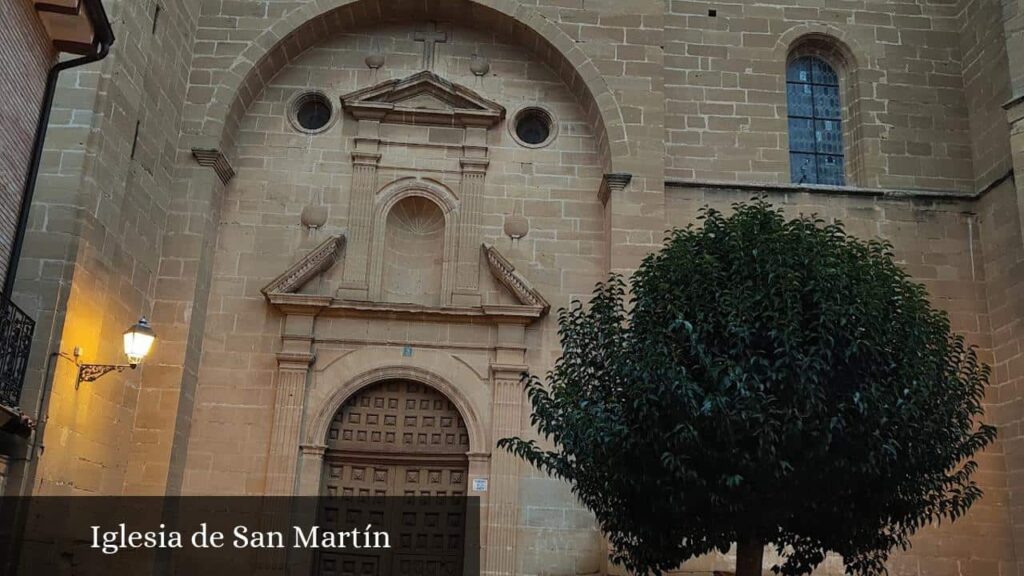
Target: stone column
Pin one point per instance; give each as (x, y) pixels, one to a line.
(365, 160)
(293, 363)
(311, 464)
(474, 169)
(503, 505)
(311, 461)
(479, 467)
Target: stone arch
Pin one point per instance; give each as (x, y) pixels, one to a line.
(848, 59)
(836, 39)
(308, 24)
(419, 371)
(386, 199)
(390, 194)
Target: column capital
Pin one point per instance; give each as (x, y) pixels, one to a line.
(474, 165)
(615, 182)
(366, 158)
(509, 372)
(295, 360)
(312, 450)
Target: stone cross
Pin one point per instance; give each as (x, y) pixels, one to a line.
(429, 39)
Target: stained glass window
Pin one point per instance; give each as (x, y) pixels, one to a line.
(815, 123)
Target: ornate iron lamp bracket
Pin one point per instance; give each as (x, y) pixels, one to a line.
(93, 372)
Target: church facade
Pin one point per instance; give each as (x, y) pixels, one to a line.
(351, 224)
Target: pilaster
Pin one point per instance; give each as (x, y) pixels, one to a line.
(365, 162)
(311, 461)
(612, 197)
(293, 363)
(474, 171)
(503, 506)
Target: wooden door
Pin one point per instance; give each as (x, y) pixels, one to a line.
(406, 442)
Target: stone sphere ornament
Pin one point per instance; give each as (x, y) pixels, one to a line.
(314, 216)
(375, 60)
(479, 65)
(516, 226)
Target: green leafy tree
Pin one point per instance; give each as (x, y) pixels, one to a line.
(769, 382)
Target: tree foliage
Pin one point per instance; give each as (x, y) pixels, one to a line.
(769, 380)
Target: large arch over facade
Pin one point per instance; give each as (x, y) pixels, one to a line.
(310, 23)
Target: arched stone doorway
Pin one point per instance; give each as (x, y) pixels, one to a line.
(395, 439)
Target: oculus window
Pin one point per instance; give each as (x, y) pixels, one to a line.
(311, 112)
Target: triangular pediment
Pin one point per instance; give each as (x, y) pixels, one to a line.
(308, 267)
(423, 98)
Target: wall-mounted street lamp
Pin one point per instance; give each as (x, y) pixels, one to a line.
(137, 342)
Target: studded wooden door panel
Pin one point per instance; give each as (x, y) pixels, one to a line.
(398, 439)
(399, 417)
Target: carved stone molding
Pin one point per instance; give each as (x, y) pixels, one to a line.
(365, 158)
(317, 450)
(613, 183)
(474, 165)
(215, 159)
(317, 261)
(423, 98)
(507, 275)
(295, 360)
(335, 308)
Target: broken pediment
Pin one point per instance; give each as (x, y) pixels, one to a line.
(513, 281)
(282, 292)
(423, 98)
(308, 267)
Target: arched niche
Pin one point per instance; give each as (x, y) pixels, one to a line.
(414, 243)
(413, 262)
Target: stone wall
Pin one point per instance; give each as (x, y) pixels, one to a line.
(1000, 229)
(903, 91)
(282, 171)
(25, 59)
(987, 88)
(94, 242)
(1004, 210)
(687, 91)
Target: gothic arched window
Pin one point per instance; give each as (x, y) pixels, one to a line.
(815, 123)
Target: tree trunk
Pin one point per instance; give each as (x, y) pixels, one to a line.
(749, 557)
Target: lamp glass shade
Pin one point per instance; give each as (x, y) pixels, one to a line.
(137, 341)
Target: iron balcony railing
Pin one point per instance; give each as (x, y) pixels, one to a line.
(16, 330)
